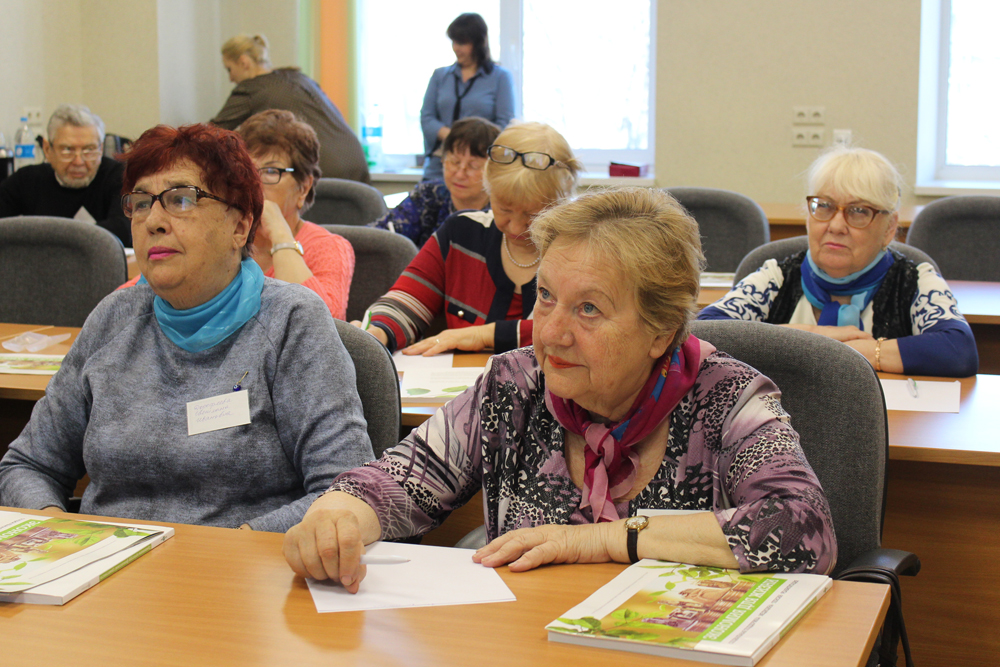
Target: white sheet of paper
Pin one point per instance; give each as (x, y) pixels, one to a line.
(932, 396)
(418, 364)
(710, 279)
(218, 412)
(438, 384)
(83, 215)
(435, 576)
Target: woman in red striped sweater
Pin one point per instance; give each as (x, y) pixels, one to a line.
(479, 266)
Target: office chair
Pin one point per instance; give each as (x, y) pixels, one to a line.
(379, 257)
(378, 385)
(731, 224)
(785, 247)
(54, 271)
(342, 202)
(964, 235)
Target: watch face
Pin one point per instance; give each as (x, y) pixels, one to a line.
(636, 522)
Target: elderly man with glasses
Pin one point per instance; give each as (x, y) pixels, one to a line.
(76, 181)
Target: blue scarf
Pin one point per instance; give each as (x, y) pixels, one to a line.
(819, 287)
(207, 325)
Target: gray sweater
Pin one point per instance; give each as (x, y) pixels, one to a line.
(116, 410)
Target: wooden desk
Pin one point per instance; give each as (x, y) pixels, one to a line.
(211, 596)
(31, 387)
(788, 220)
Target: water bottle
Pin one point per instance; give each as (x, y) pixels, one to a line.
(371, 137)
(25, 149)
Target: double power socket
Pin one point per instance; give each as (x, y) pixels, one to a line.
(808, 128)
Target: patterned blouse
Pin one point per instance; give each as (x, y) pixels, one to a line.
(419, 215)
(731, 451)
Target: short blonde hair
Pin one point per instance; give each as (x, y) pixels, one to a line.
(857, 173)
(255, 47)
(648, 236)
(516, 183)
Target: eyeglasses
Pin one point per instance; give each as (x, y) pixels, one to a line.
(69, 153)
(858, 216)
(272, 175)
(470, 167)
(176, 200)
(531, 160)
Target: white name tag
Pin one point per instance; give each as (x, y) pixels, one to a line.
(218, 412)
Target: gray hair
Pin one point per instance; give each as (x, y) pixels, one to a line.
(76, 115)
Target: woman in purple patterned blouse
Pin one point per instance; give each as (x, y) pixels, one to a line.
(616, 409)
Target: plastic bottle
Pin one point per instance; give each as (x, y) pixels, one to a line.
(25, 149)
(371, 137)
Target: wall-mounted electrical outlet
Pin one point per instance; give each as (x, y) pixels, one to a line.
(807, 136)
(808, 115)
(33, 114)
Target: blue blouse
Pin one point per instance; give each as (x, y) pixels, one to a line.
(491, 96)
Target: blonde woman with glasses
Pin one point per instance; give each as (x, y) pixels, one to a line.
(478, 268)
(850, 286)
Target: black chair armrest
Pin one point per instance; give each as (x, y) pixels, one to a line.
(882, 561)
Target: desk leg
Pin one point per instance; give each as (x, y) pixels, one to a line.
(949, 515)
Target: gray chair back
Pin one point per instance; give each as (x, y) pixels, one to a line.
(781, 249)
(378, 385)
(342, 202)
(964, 235)
(731, 224)
(379, 257)
(54, 271)
(836, 404)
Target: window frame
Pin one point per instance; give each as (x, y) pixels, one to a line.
(934, 176)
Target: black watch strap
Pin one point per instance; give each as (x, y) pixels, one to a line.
(633, 545)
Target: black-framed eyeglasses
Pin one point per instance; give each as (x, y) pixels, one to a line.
(858, 216)
(531, 160)
(272, 175)
(175, 200)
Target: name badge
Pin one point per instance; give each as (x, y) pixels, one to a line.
(218, 412)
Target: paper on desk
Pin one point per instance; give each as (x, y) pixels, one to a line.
(438, 384)
(932, 396)
(710, 279)
(435, 576)
(419, 364)
(30, 364)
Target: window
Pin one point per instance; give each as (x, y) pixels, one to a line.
(577, 66)
(958, 145)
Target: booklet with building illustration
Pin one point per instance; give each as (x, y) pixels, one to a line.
(690, 612)
(51, 560)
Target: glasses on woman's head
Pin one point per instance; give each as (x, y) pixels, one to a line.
(272, 175)
(176, 200)
(69, 153)
(858, 216)
(531, 160)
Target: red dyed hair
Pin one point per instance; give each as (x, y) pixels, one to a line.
(227, 170)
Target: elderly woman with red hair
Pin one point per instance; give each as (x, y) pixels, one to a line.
(203, 394)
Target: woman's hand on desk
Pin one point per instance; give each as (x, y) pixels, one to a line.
(329, 542)
(528, 548)
(469, 339)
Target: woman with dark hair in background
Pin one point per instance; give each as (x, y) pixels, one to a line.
(473, 86)
(432, 202)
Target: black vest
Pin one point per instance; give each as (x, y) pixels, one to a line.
(890, 306)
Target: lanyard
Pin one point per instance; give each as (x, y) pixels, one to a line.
(458, 97)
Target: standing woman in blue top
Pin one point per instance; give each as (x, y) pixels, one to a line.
(473, 86)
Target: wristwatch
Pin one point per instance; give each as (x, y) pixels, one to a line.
(281, 246)
(633, 525)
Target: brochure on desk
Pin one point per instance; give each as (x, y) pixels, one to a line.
(690, 612)
(30, 364)
(51, 560)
